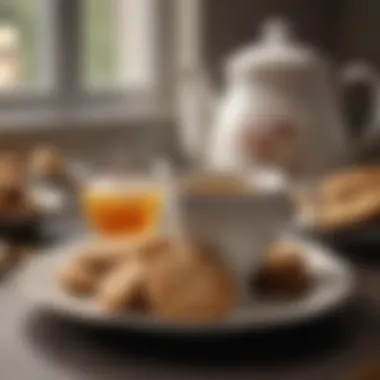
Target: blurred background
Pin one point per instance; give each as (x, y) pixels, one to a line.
(67, 64)
(93, 77)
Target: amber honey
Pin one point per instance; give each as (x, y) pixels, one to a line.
(127, 210)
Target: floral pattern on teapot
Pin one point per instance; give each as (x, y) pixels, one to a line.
(274, 143)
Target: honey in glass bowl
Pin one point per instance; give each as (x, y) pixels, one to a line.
(122, 208)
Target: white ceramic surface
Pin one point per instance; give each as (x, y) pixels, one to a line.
(280, 80)
(332, 286)
(243, 226)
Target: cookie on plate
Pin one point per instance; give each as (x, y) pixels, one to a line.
(189, 289)
(122, 288)
(77, 279)
(284, 272)
(102, 255)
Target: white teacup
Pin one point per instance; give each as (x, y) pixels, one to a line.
(243, 226)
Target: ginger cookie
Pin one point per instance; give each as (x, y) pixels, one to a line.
(189, 289)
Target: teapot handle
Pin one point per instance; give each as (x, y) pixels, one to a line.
(362, 73)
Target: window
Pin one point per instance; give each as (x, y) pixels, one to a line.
(119, 40)
(19, 24)
(63, 52)
(99, 66)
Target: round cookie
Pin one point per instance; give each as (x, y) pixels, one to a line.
(189, 289)
(362, 207)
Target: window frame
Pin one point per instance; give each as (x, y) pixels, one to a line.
(62, 91)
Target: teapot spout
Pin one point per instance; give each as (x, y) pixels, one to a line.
(197, 101)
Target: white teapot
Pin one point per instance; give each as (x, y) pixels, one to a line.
(281, 108)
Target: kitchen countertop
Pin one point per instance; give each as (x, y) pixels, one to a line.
(37, 346)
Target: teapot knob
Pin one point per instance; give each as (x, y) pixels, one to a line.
(276, 30)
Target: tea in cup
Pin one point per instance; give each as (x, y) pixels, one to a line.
(123, 207)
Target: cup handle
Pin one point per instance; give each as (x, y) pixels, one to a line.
(362, 73)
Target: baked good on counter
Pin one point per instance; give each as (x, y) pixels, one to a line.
(15, 200)
(342, 185)
(360, 208)
(343, 200)
(47, 162)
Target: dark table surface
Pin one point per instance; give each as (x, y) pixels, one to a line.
(37, 346)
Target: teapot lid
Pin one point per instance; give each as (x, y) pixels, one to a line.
(276, 48)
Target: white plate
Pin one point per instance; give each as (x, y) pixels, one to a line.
(333, 284)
